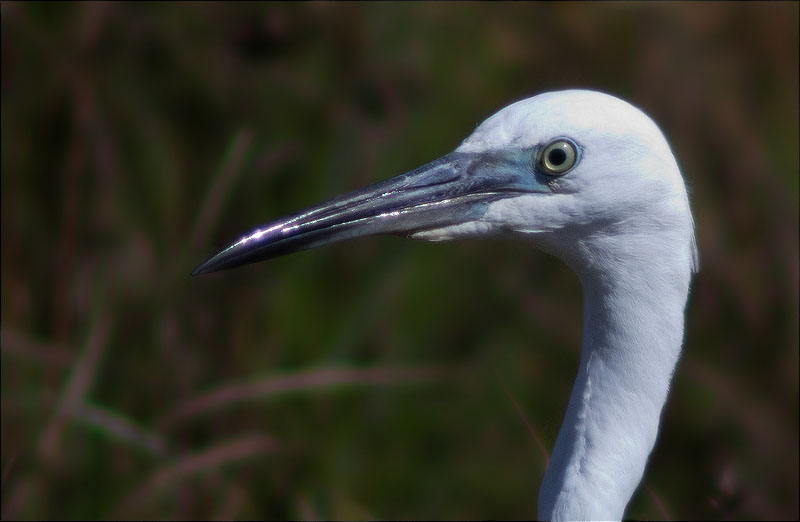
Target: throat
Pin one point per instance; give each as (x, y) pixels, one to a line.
(632, 336)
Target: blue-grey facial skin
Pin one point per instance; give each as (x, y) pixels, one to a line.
(453, 189)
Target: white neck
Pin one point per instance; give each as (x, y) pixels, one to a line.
(632, 336)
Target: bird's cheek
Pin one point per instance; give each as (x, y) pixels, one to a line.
(530, 213)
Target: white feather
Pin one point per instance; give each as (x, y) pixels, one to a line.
(621, 219)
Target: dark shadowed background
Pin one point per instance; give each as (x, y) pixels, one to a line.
(382, 378)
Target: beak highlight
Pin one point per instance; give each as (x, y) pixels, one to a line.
(453, 189)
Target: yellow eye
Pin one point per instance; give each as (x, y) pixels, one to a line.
(559, 157)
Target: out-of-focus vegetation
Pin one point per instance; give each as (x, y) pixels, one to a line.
(382, 378)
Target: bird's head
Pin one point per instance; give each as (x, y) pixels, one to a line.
(584, 175)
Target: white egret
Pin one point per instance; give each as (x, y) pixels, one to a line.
(591, 180)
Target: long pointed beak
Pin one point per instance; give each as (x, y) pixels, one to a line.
(453, 189)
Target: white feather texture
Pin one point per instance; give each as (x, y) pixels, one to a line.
(621, 220)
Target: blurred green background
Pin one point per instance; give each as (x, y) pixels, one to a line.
(381, 378)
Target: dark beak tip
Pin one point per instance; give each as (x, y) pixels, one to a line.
(199, 269)
(206, 267)
(230, 257)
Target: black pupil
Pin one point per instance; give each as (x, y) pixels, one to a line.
(557, 157)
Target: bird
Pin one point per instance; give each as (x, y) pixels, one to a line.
(590, 179)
